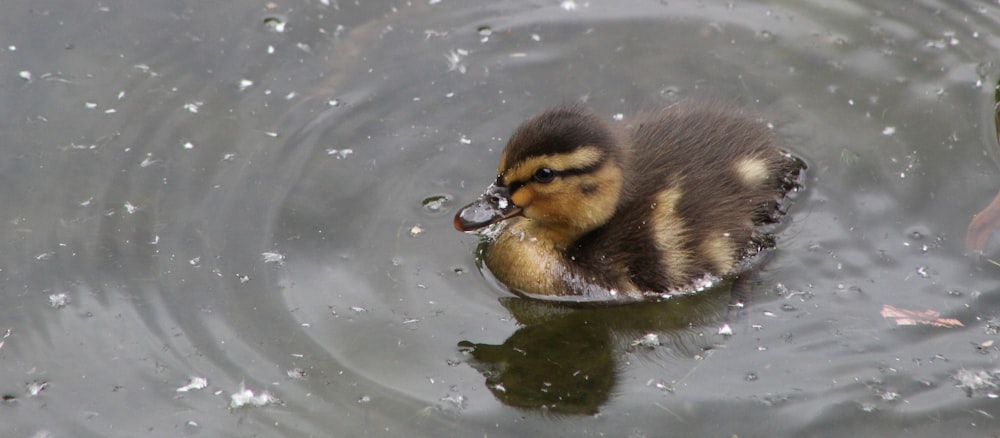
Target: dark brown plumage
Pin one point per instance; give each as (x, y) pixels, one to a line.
(601, 210)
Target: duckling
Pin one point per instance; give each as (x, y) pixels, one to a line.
(592, 210)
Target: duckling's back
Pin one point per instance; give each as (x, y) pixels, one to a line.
(699, 182)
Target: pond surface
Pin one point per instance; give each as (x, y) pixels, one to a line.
(234, 219)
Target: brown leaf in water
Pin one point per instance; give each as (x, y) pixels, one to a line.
(914, 317)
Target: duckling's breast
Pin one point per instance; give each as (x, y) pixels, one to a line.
(525, 260)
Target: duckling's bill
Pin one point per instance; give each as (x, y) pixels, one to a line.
(493, 206)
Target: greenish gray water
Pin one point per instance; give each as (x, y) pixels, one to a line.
(236, 191)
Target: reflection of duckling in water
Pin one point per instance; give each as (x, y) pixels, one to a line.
(599, 211)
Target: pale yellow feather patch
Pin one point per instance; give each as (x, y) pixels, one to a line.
(719, 250)
(669, 232)
(752, 172)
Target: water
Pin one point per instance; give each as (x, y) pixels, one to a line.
(260, 195)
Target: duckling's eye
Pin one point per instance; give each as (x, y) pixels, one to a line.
(544, 175)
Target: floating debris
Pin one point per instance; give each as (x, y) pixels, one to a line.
(245, 83)
(568, 5)
(195, 384)
(454, 58)
(416, 230)
(6, 335)
(914, 317)
(272, 257)
(193, 106)
(457, 400)
(436, 203)
(649, 340)
(660, 384)
(35, 387)
(982, 382)
(245, 397)
(59, 300)
(340, 153)
(889, 130)
(274, 24)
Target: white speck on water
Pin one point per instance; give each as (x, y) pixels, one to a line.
(194, 384)
(454, 58)
(272, 257)
(296, 373)
(45, 256)
(90, 105)
(148, 161)
(35, 387)
(188, 145)
(229, 157)
(922, 272)
(568, 5)
(499, 387)
(275, 25)
(340, 153)
(769, 314)
(618, 117)
(245, 397)
(365, 399)
(889, 130)
(433, 2)
(129, 208)
(194, 261)
(244, 84)
(726, 330)
(456, 399)
(193, 106)
(536, 37)
(649, 340)
(87, 201)
(24, 74)
(660, 384)
(359, 309)
(464, 140)
(416, 230)
(59, 300)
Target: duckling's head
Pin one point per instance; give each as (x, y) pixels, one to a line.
(561, 171)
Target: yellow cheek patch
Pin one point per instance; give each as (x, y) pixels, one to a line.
(523, 197)
(752, 172)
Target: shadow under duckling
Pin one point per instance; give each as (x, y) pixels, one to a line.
(593, 211)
